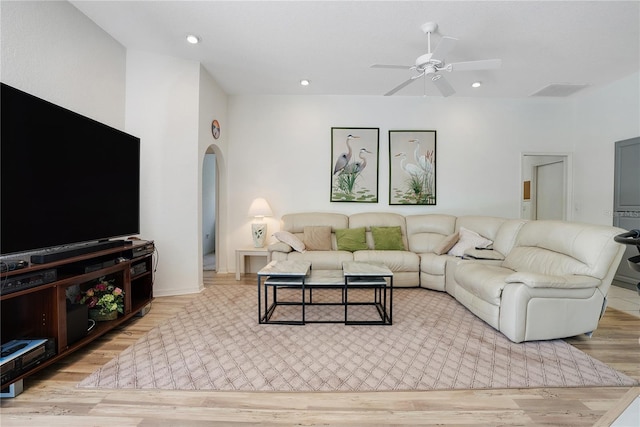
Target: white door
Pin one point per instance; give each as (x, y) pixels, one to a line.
(549, 197)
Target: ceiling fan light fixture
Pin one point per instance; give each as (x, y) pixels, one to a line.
(193, 39)
(476, 84)
(433, 62)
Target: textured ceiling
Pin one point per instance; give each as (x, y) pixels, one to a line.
(266, 47)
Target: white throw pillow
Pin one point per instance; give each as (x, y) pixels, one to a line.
(290, 239)
(468, 240)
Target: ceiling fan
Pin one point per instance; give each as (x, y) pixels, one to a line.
(432, 63)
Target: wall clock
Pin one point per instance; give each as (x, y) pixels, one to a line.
(215, 129)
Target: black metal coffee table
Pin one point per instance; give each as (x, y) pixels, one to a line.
(299, 275)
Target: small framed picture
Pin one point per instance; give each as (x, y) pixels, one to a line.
(412, 167)
(354, 164)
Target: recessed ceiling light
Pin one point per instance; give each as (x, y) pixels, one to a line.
(193, 39)
(476, 84)
(305, 82)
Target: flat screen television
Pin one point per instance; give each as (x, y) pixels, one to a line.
(64, 178)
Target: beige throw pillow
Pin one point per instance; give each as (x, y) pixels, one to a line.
(317, 238)
(290, 239)
(446, 244)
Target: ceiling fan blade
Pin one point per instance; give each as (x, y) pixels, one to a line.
(399, 67)
(486, 64)
(400, 86)
(445, 46)
(443, 85)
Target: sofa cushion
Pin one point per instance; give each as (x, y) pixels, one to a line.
(387, 238)
(322, 260)
(351, 239)
(291, 240)
(468, 240)
(506, 236)
(487, 226)
(482, 280)
(446, 244)
(561, 247)
(394, 260)
(544, 261)
(570, 281)
(426, 231)
(434, 264)
(317, 238)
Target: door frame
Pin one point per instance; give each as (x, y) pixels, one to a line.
(535, 177)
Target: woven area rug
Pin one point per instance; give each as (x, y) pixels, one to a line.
(216, 343)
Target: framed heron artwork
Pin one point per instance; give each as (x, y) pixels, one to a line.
(412, 167)
(354, 164)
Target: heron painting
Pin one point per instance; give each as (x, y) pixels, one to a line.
(354, 164)
(412, 167)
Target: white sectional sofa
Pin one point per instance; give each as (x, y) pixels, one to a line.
(537, 280)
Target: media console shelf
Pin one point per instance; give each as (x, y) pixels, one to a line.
(41, 311)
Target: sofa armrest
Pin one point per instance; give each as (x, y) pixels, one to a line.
(567, 281)
(483, 254)
(279, 247)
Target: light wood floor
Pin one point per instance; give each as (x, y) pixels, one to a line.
(51, 399)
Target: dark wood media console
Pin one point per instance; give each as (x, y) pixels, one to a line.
(41, 311)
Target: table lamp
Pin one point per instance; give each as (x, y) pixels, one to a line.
(259, 209)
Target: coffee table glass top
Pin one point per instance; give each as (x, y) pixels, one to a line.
(300, 269)
(286, 268)
(325, 277)
(360, 268)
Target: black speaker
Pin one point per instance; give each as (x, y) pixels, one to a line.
(77, 322)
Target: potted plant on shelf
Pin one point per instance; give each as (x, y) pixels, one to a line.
(105, 300)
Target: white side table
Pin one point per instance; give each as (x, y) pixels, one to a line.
(244, 252)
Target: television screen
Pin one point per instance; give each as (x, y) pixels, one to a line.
(64, 178)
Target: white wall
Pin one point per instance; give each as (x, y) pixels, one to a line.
(281, 145)
(162, 109)
(53, 51)
(600, 118)
(213, 105)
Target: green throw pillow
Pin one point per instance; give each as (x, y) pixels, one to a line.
(351, 239)
(387, 238)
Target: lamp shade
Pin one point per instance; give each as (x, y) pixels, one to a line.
(260, 208)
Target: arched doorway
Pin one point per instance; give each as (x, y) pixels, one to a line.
(210, 183)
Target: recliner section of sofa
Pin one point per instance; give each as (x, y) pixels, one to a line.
(558, 276)
(539, 280)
